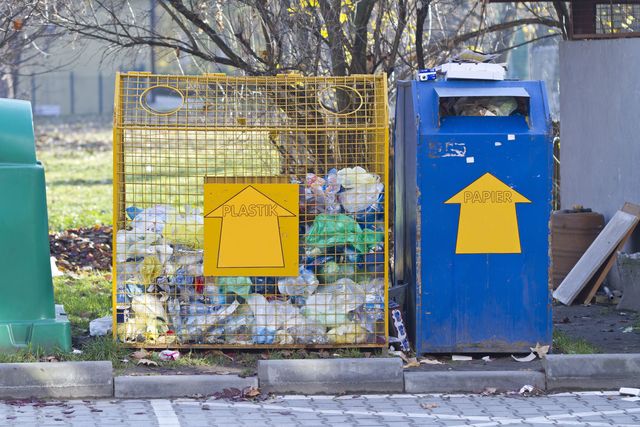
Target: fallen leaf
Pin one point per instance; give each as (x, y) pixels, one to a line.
(428, 361)
(527, 358)
(412, 363)
(147, 362)
(251, 392)
(540, 350)
(428, 405)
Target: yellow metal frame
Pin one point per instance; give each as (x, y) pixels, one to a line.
(374, 134)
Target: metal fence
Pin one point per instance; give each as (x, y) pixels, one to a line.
(250, 211)
(64, 93)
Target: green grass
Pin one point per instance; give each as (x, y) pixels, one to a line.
(85, 298)
(562, 343)
(79, 187)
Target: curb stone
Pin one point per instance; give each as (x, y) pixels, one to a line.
(62, 380)
(331, 376)
(591, 371)
(170, 386)
(470, 381)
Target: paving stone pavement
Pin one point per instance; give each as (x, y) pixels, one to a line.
(591, 409)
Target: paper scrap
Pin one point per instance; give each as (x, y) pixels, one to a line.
(629, 391)
(460, 358)
(487, 359)
(528, 358)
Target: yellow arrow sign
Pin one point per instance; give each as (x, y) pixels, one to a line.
(251, 230)
(488, 222)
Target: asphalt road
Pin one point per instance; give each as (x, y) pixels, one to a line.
(571, 409)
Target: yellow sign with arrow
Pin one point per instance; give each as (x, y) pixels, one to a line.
(251, 229)
(488, 222)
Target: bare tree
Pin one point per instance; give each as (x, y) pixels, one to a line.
(25, 35)
(256, 37)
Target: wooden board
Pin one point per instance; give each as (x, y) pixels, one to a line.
(601, 251)
(589, 291)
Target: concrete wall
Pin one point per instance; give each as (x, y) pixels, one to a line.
(600, 125)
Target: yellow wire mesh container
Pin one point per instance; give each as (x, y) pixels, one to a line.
(250, 211)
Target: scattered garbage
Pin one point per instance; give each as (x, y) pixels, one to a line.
(529, 390)
(460, 358)
(164, 298)
(429, 361)
(101, 326)
(528, 358)
(539, 351)
(629, 391)
(487, 359)
(54, 268)
(168, 355)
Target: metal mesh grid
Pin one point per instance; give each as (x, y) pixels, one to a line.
(328, 135)
(614, 18)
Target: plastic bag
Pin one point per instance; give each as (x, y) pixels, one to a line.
(240, 286)
(150, 268)
(361, 189)
(331, 306)
(186, 230)
(349, 333)
(332, 271)
(304, 285)
(152, 220)
(340, 230)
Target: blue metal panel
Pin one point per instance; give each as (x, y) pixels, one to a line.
(480, 302)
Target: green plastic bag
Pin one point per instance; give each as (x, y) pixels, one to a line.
(337, 230)
(240, 286)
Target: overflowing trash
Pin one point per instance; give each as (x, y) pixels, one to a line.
(337, 298)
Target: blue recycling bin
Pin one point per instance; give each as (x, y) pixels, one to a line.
(473, 166)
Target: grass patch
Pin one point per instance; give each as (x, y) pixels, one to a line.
(79, 187)
(562, 343)
(85, 297)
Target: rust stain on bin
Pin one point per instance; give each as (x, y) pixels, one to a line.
(572, 232)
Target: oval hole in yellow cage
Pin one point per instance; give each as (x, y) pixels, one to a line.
(161, 100)
(340, 100)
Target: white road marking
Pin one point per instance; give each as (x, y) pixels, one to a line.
(163, 410)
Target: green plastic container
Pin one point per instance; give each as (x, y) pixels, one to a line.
(27, 311)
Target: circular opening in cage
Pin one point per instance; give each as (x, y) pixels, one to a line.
(162, 100)
(340, 100)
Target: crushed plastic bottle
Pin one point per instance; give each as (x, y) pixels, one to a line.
(265, 319)
(332, 305)
(304, 285)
